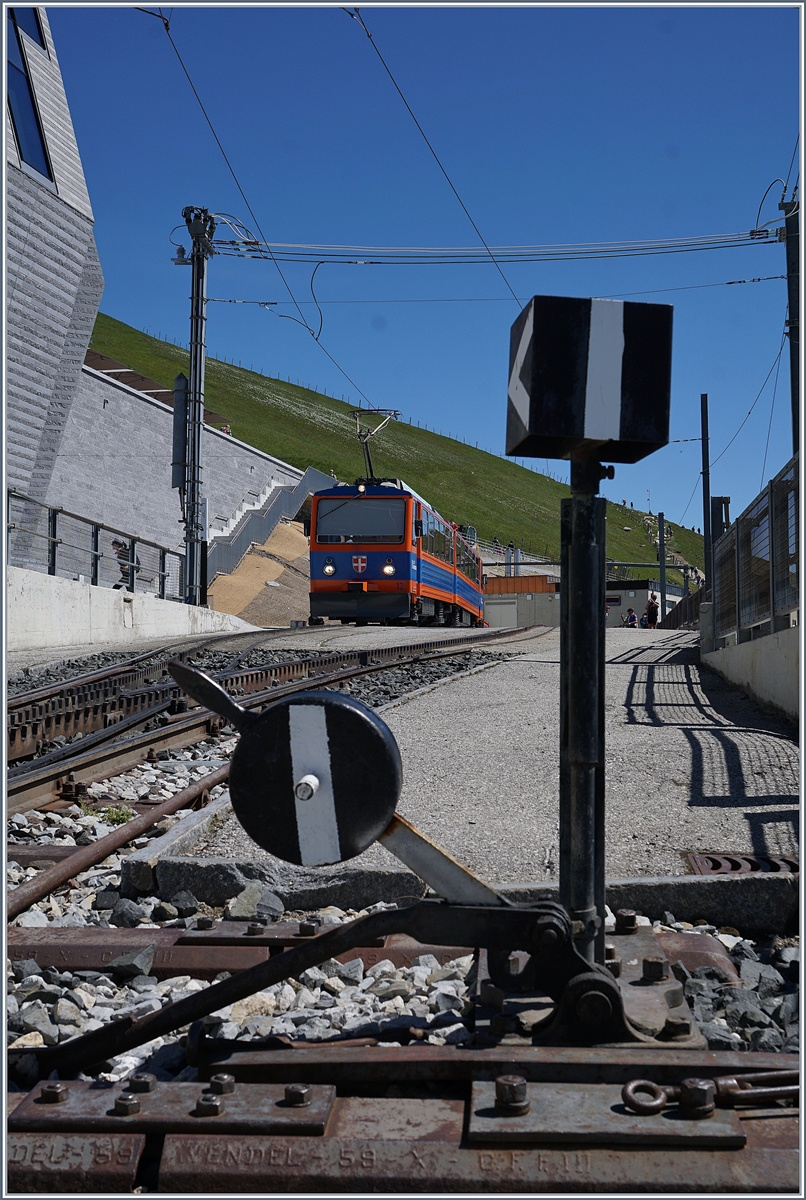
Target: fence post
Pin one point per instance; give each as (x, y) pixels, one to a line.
(771, 542)
(95, 544)
(132, 561)
(162, 575)
(9, 525)
(52, 526)
(737, 583)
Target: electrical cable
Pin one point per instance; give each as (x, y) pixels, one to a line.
(755, 402)
(769, 426)
(356, 16)
(766, 194)
(490, 299)
(791, 164)
(691, 497)
(458, 255)
(303, 322)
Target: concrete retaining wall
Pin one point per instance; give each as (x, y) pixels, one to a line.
(44, 610)
(114, 464)
(768, 669)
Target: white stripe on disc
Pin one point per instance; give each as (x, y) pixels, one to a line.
(310, 755)
(605, 354)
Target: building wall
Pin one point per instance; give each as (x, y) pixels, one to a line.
(519, 610)
(53, 282)
(509, 585)
(114, 464)
(768, 669)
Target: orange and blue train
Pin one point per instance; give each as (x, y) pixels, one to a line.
(381, 554)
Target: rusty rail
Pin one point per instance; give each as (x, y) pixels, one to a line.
(28, 893)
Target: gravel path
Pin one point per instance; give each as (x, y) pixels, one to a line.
(692, 763)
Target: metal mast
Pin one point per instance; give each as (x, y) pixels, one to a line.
(201, 227)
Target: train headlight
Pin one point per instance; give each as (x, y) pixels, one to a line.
(389, 568)
(328, 568)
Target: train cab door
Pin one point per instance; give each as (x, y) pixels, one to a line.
(417, 542)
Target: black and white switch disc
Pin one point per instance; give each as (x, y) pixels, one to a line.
(315, 778)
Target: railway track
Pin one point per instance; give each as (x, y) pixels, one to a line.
(107, 705)
(386, 1112)
(97, 699)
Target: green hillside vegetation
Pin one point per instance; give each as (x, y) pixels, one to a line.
(304, 428)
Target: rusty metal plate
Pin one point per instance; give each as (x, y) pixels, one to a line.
(742, 864)
(170, 1108)
(347, 1065)
(52, 1162)
(396, 1119)
(649, 1005)
(256, 1164)
(564, 1112)
(696, 950)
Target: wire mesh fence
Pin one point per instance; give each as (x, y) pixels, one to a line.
(68, 546)
(757, 562)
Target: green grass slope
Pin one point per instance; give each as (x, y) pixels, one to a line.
(304, 428)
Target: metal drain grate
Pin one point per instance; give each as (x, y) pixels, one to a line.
(742, 864)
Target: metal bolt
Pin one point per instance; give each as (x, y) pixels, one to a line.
(697, 1098)
(548, 933)
(54, 1093)
(254, 929)
(297, 1095)
(220, 1084)
(655, 970)
(612, 960)
(307, 787)
(126, 1104)
(143, 1082)
(204, 922)
(308, 928)
(625, 921)
(594, 1009)
(514, 963)
(510, 1095)
(209, 1104)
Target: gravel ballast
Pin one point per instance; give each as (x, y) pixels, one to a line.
(426, 1002)
(692, 764)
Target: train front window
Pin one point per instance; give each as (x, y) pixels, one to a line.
(366, 519)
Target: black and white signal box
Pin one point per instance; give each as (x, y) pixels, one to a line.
(590, 378)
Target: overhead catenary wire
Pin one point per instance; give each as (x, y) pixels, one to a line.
(167, 27)
(469, 255)
(356, 16)
(492, 299)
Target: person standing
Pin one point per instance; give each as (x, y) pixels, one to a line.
(651, 611)
(631, 621)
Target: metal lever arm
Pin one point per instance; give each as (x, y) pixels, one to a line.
(544, 928)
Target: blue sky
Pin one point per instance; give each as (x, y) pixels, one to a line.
(555, 125)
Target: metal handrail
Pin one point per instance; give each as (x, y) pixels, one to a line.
(87, 521)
